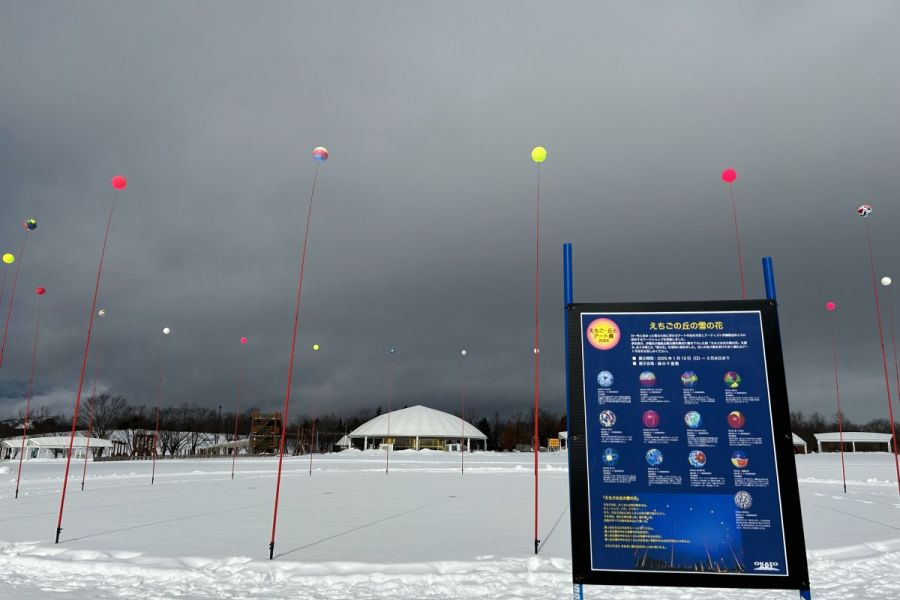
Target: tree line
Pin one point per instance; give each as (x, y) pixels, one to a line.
(186, 428)
(805, 425)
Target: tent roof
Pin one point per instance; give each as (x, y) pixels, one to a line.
(417, 421)
(344, 441)
(58, 442)
(798, 441)
(853, 436)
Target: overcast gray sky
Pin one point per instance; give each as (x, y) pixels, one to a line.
(422, 231)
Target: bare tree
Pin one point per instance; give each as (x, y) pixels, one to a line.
(104, 413)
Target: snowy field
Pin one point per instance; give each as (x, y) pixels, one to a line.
(350, 531)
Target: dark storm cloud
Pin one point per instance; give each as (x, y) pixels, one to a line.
(423, 223)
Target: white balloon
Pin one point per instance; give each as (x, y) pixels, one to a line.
(101, 313)
(886, 280)
(166, 331)
(463, 352)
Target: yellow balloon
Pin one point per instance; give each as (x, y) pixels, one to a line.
(315, 346)
(9, 258)
(539, 154)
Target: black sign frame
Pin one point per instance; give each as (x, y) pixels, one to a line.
(789, 492)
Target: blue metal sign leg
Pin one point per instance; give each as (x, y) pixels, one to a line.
(568, 294)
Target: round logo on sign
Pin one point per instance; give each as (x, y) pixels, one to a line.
(603, 334)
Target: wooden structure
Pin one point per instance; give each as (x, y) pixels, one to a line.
(265, 433)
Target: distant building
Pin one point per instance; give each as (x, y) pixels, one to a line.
(416, 427)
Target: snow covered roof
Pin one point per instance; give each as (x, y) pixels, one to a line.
(798, 441)
(343, 442)
(853, 436)
(417, 421)
(58, 442)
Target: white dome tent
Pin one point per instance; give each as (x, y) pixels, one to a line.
(416, 427)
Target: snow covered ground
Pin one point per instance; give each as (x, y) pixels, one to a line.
(350, 531)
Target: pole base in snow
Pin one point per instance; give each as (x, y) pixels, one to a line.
(537, 544)
(271, 550)
(58, 531)
(82, 486)
(17, 492)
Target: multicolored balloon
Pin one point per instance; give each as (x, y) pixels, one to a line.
(9, 258)
(886, 281)
(864, 210)
(539, 154)
(101, 313)
(320, 153)
(40, 291)
(830, 306)
(166, 331)
(243, 340)
(30, 224)
(729, 175)
(119, 183)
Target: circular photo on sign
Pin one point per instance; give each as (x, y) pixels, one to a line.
(740, 459)
(654, 457)
(607, 418)
(743, 500)
(689, 379)
(650, 419)
(648, 379)
(736, 419)
(610, 457)
(692, 419)
(603, 334)
(732, 380)
(605, 379)
(697, 458)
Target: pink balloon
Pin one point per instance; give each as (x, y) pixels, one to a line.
(729, 175)
(243, 340)
(119, 183)
(830, 306)
(40, 291)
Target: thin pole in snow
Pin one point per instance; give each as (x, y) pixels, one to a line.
(887, 381)
(37, 323)
(12, 296)
(462, 411)
(159, 395)
(237, 406)
(390, 391)
(830, 307)
(119, 183)
(320, 154)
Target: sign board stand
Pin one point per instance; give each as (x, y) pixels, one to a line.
(681, 466)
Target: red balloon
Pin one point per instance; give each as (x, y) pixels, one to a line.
(243, 340)
(830, 306)
(40, 291)
(119, 183)
(729, 175)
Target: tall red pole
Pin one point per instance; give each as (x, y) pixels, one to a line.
(887, 382)
(159, 394)
(37, 323)
(12, 297)
(320, 154)
(390, 394)
(315, 411)
(830, 307)
(538, 155)
(462, 411)
(119, 183)
(87, 450)
(237, 406)
(729, 176)
(3, 282)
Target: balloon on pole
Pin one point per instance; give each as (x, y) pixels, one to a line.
(729, 176)
(9, 258)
